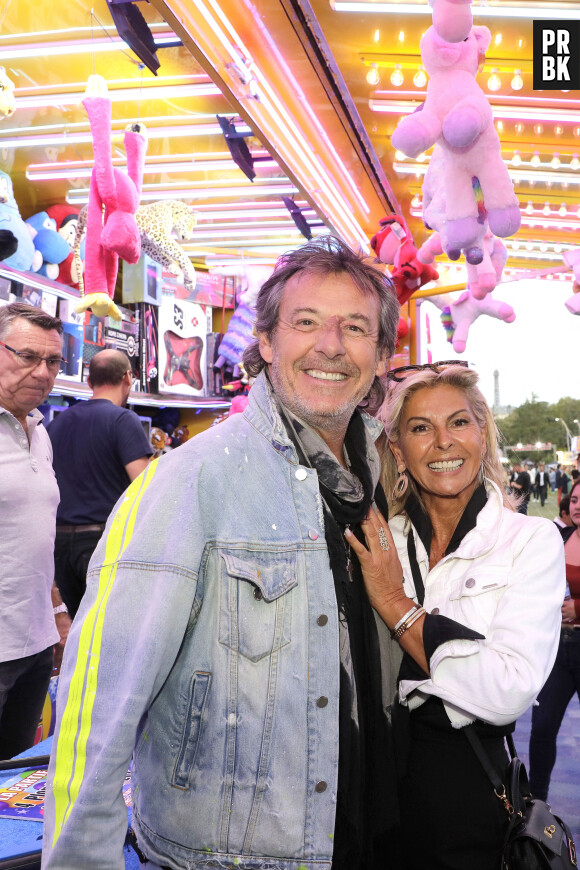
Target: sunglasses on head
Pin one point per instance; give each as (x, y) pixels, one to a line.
(401, 373)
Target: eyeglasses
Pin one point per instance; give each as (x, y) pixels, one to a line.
(401, 373)
(32, 360)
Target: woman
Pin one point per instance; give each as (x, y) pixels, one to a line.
(483, 643)
(565, 677)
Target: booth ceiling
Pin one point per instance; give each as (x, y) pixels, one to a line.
(291, 78)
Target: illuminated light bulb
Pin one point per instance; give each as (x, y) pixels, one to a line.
(575, 162)
(517, 82)
(535, 159)
(420, 78)
(578, 212)
(373, 77)
(497, 39)
(494, 81)
(562, 211)
(516, 159)
(557, 249)
(401, 35)
(576, 132)
(397, 77)
(515, 246)
(555, 162)
(529, 246)
(550, 277)
(377, 35)
(547, 210)
(399, 155)
(530, 207)
(415, 202)
(519, 128)
(532, 182)
(558, 130)
(421, 157)
(564, 184)
(538, 129)
(521, 43)
(499, 126)
(543, 247)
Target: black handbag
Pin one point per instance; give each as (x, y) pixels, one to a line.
(535, 838)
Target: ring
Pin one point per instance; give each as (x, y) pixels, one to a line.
(383, 540)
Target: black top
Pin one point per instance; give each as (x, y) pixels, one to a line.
(92, 443)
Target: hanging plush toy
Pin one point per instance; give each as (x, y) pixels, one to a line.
(240, 331)
(572, 259)
(465, 311)
(393, 244)
(112, 231)
(482, 277)
(452, 19)
(457, 115)
(52, 247)
(7, 101)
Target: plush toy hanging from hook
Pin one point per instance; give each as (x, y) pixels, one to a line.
(112, 231)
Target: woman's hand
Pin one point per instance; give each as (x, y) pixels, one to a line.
(380, 565)
(568, 610)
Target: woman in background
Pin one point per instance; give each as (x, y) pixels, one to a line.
(564, 680)
(471, 590)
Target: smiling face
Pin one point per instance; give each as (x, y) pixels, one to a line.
(24, 388)
(440, 443)
(323, 354)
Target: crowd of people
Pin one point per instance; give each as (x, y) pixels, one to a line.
(293, 623)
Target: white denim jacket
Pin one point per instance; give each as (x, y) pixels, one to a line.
(506, 581)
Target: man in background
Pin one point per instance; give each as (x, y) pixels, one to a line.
(33, 617)
(542, 482)
(521, 485)
(99, 448)
(564, 519)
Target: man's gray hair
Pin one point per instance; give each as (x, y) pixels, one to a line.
(36, 316)
(327, 255)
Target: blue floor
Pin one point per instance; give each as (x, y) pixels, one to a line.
(564, 795)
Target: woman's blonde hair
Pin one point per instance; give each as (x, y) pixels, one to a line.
(391, 412)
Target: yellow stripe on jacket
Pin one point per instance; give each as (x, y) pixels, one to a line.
(76, 720)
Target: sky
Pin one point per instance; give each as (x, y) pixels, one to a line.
(537, 353)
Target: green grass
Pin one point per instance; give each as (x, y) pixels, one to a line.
(550, 509)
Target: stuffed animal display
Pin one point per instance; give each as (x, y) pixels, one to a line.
(156, 222)
(8, 244)
(452, 19)
(572, 259)
(52, 247)
(66, 219)
(7, 101)
(25, 258)
(240, 331)
(112, 231)
(457, 116)
(481, 277)
(393, 245)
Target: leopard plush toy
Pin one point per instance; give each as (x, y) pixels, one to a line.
(156, 222)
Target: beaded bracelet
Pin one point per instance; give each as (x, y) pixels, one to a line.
(418, 612)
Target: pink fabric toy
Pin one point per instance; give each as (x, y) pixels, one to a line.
(452, 19)
(572, 259)
(457, 115)
(481, 277)
(113, 200)
(466, 310)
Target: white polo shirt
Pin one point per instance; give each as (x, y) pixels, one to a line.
(29, 498)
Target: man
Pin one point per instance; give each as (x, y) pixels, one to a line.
(521, 485)
(30, 357)
(99, 448)
(564, 519)
(225, 636)
(542, 481)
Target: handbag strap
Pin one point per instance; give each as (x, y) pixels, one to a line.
(415, 570)
(517, 775)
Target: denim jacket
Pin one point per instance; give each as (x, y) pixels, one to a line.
(207, 642)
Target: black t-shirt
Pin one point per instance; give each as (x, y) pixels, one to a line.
(92, 443)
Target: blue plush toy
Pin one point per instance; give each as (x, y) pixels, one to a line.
(53, 248)
(24, 257)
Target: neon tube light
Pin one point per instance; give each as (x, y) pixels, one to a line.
(78, 198)
(80, 46)
(555, 177)
(405, 107)
(34, 174)
(163, 92)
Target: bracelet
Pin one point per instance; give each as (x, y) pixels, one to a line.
(60, 608)
(404, 618)
(417, 614)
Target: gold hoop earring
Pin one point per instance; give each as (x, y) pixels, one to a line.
(402, 483)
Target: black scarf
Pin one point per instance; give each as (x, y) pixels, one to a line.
(367, 804)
